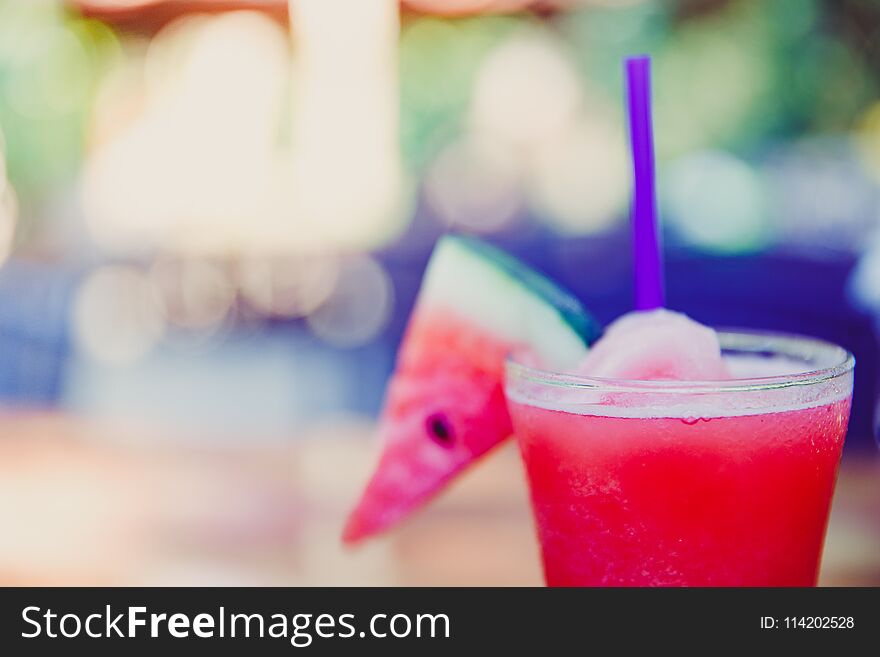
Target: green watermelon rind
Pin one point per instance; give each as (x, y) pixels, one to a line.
(569, 308)
(503, 295)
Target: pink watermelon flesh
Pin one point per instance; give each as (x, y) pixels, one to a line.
(444, 409)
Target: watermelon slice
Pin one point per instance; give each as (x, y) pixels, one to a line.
(445, 405)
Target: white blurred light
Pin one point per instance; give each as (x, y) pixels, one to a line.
(475, 183)
(162, 71)
(117, 315)
(189, 161)
(346, 186)
(288, 287)
(526, 90)
(190, 171)
(359, 307)
(717, 202)
(581, 179)
(195, 294)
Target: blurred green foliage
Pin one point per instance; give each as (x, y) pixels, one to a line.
(734, 75)
(50, 65)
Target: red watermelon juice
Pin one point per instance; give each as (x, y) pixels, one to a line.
(671, 483)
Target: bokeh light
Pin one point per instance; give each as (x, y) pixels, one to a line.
(190, 172)
(711, 91)
(288, 287)
(716, 202)
(527, 90)
(603, 33)
(358, 308)
(435, 91)
(195, 294)
(821, 197)
(347, 179)
(475, 183)
(580, 180)
(117, 315)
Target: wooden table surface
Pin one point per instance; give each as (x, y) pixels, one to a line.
(88, 503)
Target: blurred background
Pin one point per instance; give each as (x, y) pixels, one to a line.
(214, 217)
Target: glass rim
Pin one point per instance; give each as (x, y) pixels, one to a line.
(838, 362)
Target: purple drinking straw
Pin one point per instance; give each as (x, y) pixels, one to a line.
(646, 245)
